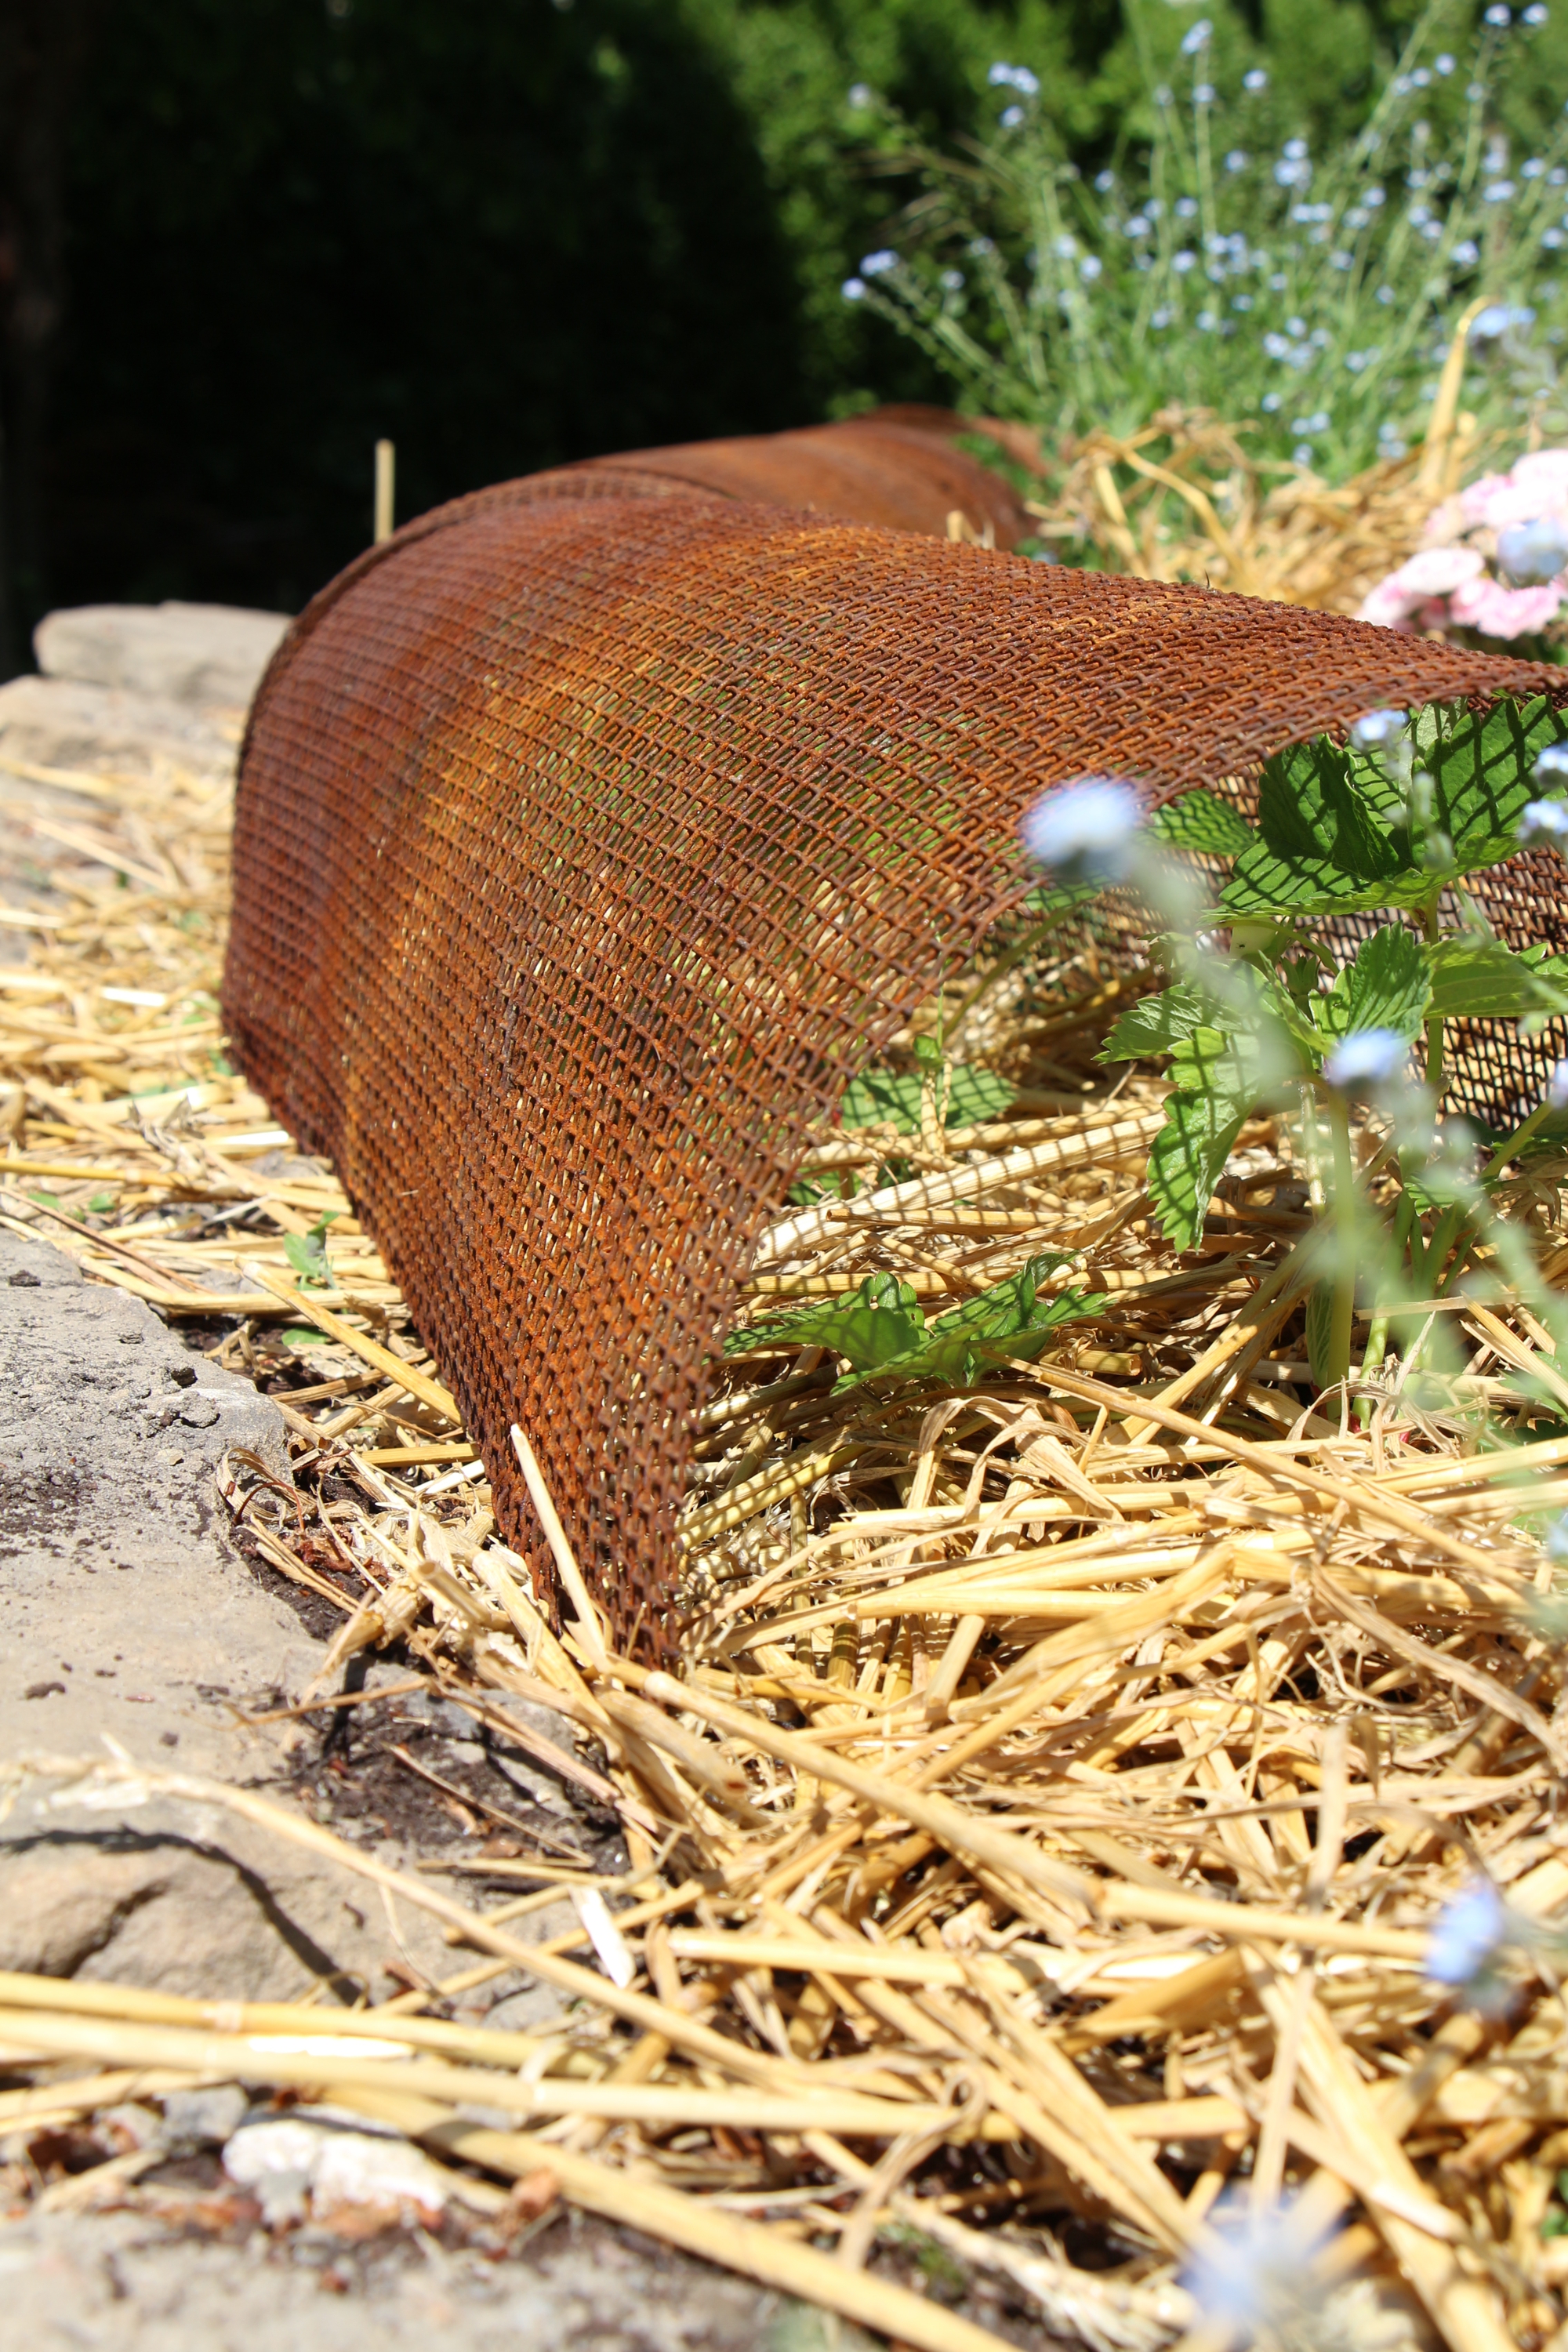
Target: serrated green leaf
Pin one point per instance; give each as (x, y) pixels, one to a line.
(881, 1098)
(1253, 1004)
(881, 1321)
(1481, 979)
(1007, 1322)
(1264, 885)
(1156, 1024)
(976, 1095)
(1482, 768)
(1328, 839)
(1204, 824)
(1319, 800)
(1187, 1160)
(1215, 1090)
(1388, 986)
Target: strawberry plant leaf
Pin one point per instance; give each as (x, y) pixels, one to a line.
(1271, 886)
(1215, 1090)
(1054, 898)
(1009, 1321)
(1327, 840)
(1388, 986)
(1482, 768)
(1201, 822)
(886, 1099)
(1156, 1024)
(881, 1319)
(1481, 979)
(1254, 1002)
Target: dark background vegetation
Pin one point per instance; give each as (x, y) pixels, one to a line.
(240, 239)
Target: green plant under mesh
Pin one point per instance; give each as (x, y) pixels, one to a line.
(1213, 264)
(1264, 1009)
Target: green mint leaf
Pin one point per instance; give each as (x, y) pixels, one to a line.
(1479, 978)
(1482, 766)
(1201, 822)
(1388, 986)
(881, 1320)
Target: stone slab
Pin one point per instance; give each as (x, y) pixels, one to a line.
(136, 2284)
(210, 656)
(62, 722)
(128, 1616)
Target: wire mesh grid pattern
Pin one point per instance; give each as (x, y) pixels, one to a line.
(594, 831)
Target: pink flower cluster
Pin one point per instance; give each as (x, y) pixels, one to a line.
(1455, 585)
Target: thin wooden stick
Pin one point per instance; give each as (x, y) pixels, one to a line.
(591, 1628)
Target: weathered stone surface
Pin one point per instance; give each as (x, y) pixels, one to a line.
(210, 656)
(63, 722)
(126, 1615)
(131, 2282)
(123, 1611)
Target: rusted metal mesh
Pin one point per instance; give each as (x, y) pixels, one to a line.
(594, 831)
(896, 468)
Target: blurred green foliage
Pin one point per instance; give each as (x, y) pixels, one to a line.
(1219, 259)
(504, 234)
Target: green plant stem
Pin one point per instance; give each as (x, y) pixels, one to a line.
(1435, 1054)
(1449, 1234)
(1433, 932)
(1405, 1230)
(1339, 1325)
(1464, 1243)
(1515, 1143)
(1449, 1228)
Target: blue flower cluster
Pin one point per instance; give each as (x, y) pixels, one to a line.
(1316, 289)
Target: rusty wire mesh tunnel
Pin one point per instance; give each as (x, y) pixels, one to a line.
(594, 831)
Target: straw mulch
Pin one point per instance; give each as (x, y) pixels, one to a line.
(1187, 498)
(1032, 1870)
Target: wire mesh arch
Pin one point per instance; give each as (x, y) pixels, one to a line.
(593, 831)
